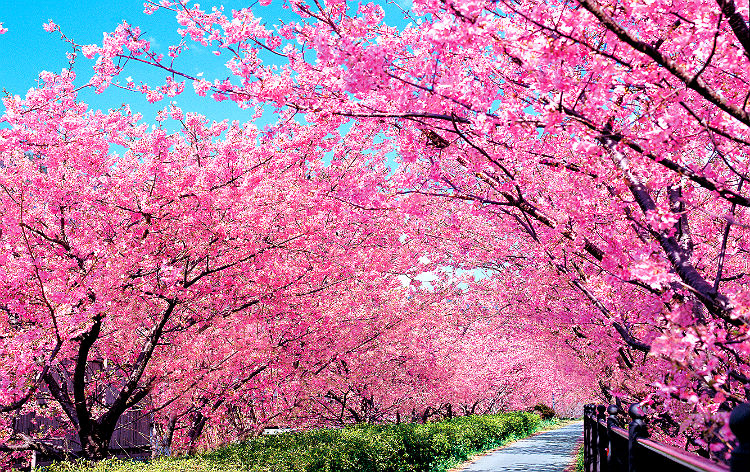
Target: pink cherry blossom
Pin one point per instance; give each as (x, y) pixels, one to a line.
(50, 26)
(440, 215)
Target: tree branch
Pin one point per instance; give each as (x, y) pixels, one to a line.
(631, 340)
(715, 302)
(87, 340)
(737, 23)
(120, 404)
(30, 444)
(35, 385)
(694, 82)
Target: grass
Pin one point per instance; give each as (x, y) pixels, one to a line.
(431, 447)
(579, 460)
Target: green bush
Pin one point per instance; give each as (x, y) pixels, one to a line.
(430, 447)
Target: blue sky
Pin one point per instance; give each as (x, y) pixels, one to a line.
(26, 49)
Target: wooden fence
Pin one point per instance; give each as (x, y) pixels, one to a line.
(131, 439)
(609, 447)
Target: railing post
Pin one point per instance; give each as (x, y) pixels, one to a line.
(594, 441)
(587, 438)
(636, 430)
(613, 455)
(603, 438)
(592, 438)
(739, 423)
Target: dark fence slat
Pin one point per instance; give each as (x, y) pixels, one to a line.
(131, 438)
(739, 423)
(692, 462)
(630, 450)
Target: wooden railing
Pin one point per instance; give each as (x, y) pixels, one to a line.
(608, 447)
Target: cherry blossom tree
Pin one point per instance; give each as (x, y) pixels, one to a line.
(217, 279)
(587, 158)
(184, 267)
(603, 141)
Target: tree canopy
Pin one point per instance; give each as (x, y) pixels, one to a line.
(570, 172)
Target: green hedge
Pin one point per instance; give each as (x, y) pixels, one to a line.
(428, 447)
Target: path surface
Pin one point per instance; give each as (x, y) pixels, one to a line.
(551, 451)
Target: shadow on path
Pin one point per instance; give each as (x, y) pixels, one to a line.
(550, 451)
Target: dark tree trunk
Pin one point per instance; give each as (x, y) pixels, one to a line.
(95, 434)
(196, 429)
(95, 444)
(162, 443)
(426, 414)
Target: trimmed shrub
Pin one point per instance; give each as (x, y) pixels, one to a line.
(362, 448)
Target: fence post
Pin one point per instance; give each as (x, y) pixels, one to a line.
(739, 423)
(603, 438)
(594, 441)
(636, 430)
(613, 456)
(587, 438)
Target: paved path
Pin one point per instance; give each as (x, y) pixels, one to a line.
(551, 451)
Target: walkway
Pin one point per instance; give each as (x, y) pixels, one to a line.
(551, 451)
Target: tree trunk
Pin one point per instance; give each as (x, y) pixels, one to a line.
(196, 429)
(95, 444)
(162, 442)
